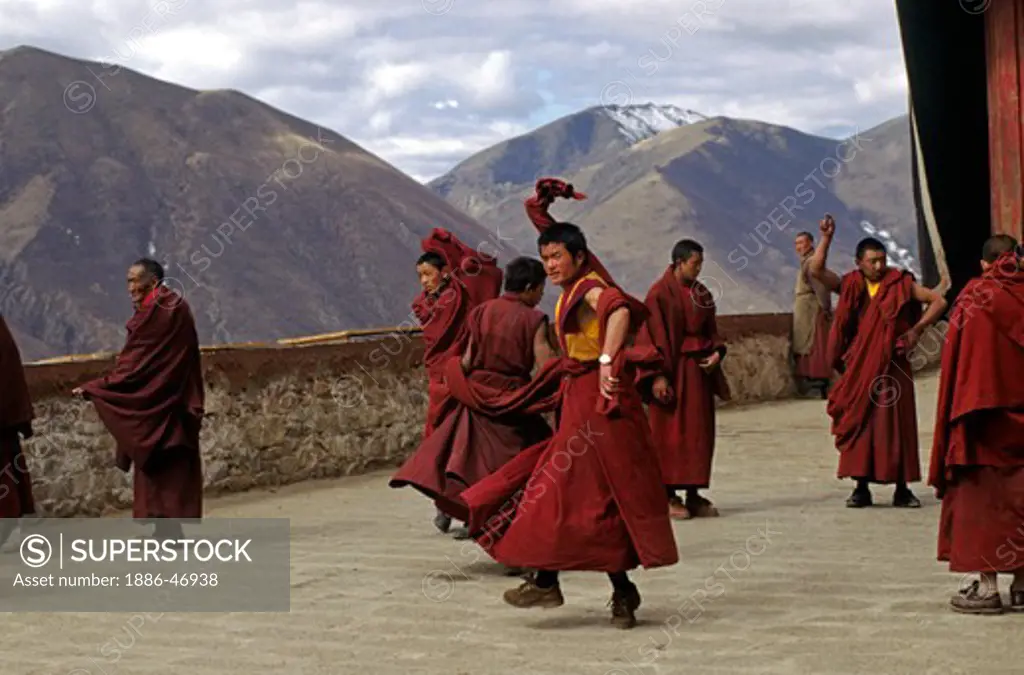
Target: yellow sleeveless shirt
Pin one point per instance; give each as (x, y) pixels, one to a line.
(584, 345)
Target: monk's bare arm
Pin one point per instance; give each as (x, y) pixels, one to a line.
(817, 269)
(467, 356)
(936, 305)
(542, 351)
(617, 327)
(832, 281)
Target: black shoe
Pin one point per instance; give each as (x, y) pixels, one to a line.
(443, 522)
(859, 499)
(460, 533)
(905, 499)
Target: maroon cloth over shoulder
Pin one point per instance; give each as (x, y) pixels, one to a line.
(683, 327)
(977, 461)
(153, 399)
(591, 497)
(872, 405)
(468, 444)
(474, 279)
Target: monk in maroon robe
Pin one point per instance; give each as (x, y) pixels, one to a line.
(878, 322)
(977, 463)
(681, 391)
(454, 279)
(15, 423)
(590, 498)
(812, 321)
(152, 403)
(505, 338)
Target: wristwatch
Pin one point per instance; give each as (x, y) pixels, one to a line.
(605, 360)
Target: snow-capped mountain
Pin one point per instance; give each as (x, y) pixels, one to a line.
(641, 121)
(898, 253)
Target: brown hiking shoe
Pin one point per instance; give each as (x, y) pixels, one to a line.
(701, 507)
(624, 605)
(529, 594)
(677, 510)
(970, 601)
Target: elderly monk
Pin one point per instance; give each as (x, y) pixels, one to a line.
(454, 278)
(683, 387)
(977, 463)
(590, 498)
(878, 322)
(812, 319)
(505, 338)
(15, 423)
(152, 403)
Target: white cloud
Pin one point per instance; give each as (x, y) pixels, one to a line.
(425, 85)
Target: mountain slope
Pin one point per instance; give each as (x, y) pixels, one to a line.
(567, 144)
(271, 226)
(726, 183)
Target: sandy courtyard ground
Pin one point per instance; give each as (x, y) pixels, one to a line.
(786, 581)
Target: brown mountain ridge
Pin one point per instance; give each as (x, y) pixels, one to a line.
(271, 226)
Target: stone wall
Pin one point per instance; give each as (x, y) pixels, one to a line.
(283, 414)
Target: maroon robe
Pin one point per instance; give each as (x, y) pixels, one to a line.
(815, 365)
(442, 314)
(16, 416)
(977, 461)
(152, 404)
(872, 405)
(682, 327)
(469, 444)
(591, 497)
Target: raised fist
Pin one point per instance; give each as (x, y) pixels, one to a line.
(827, 225)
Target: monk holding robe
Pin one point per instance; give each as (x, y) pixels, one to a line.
(878, 322)
(977, 463)
(683, 387)
(812, 320)
(454, 278)
(15, 424)
(505, 337)
(152, 403)
(590, 498)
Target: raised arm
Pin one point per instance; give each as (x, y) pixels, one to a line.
(546, 192)
(816, 266)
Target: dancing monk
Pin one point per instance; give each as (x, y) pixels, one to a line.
(977, 465)
(812, 320)
(878, 322)
(683, 387)
(454, 278)
(16, 416)
(152, 403)
(506, 336)
(591, 498)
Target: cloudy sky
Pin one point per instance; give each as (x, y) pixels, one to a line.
(425, 83)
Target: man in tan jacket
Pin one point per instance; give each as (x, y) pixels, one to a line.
(812, 318)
